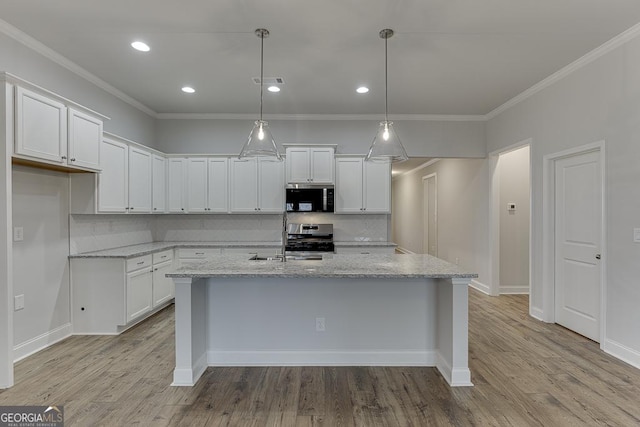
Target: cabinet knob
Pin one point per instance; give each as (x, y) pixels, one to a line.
(598, 256)
(64, 157)
(131, 208)
(73, 159)
(155, 209)
(181, 209)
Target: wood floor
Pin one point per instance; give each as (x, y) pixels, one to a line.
(525, 373)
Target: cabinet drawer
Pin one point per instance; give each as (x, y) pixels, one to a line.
(198, 253)
(139, 262)
(163, 256)
(254, 251)
(365, 250)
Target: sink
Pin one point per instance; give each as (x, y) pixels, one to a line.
(289, 258)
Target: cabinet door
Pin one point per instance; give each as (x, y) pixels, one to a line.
(139, 180)
(176, 185)
(244, 185)
(197, 184)
(159, 183)
(41, 127)
(377, 187)
(85, 133)
(349, 185)
(321, 161)
(113, 180)
(163, 287)
(297, 164)
(218, 185)
(139, 293)
(270, 186)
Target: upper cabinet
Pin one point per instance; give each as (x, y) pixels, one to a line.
(257, 186)
(310, 165)
(177, 185)
(140, 166)
(113, 181)
(159, 183)
(362, 187)
(50, 131)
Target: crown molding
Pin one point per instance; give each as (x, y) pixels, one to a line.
(416, 169)
(28, 41)
(326, 117)
(586, 59)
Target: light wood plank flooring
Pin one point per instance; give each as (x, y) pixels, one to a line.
(525, 373)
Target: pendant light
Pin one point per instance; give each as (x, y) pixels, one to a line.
(386, 146)
(260, 142)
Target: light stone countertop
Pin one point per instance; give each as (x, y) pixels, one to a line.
(149, 248)
(391, 266)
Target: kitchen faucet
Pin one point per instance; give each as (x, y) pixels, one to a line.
(284, 235)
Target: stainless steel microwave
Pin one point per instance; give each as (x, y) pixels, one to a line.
(316, 199)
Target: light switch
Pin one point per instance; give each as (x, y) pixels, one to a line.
(636, 235)
(18, 234)
(18, 302)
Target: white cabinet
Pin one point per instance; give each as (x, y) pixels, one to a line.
(163, 287)
(113, 180)
(362, 187)
(187, 255)
(310, 165)
(139, 292)
(208, 182)
(46, 129)
(197, 184)
(85, 134)
(139, 180)
(41, 126)
(177, 185)
(159, 183)
(257, 186)
(365, 250)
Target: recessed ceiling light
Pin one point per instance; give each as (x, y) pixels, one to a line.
(273, 89)
(141, 46)
(188, 89)
(362, 89)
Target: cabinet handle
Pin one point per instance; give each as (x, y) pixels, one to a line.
(155, 269)
(199, 253)
(131, 208)
(64, 157)
(141, 262)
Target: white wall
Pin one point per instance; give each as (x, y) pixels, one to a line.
(40, 263)
(463, 212)
(514, 224)
(600, 101)
(420, 138)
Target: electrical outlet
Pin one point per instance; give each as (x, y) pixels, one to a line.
(320, 324)
(18, 234)
(457, 261)
(18, 302)
(636, 235)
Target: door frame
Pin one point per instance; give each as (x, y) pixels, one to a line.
(493, 287)
(435, 210)
(548, 231)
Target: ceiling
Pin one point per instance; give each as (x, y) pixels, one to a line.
(451, 57)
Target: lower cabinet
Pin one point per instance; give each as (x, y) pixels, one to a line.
(109, 295)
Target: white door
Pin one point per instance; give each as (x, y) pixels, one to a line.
(159, 173)
(85, 134)
(244, 185)
(139, 180)
(197, 184)
(270, 186)
(578, 222)
(429, 214)
(349, 185)
(297, 165)
(176, 185)
(113, 181)
(377, 187)
(321, 161)
(218, 186)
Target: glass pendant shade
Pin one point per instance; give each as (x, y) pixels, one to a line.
(386, 146)
(260, 142)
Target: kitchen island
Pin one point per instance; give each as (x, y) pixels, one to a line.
(385, 310)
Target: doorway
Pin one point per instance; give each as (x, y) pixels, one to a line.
(430, 215)
(578, 224)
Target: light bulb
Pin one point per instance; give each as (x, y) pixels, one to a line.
(385, 134)
(260, 133)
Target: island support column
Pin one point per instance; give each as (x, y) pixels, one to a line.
(191, 328)
(452, 335)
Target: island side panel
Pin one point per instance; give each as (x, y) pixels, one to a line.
(368, 321)
(191, 327)
(452, 335)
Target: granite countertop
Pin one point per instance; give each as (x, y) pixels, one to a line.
(334, 266)
(149, 248)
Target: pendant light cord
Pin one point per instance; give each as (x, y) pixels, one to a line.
(386, 119)
(261, 70)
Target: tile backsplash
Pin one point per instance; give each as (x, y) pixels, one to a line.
(97, 232)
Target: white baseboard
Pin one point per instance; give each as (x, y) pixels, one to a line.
(455, 377)
(514, 290)
(404, 251)
(480, 287)
(321, 358)
(622, 352)
(537, 313)
(189, 376)
(41, 342)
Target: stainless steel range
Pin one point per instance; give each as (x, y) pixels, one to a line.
(306, 238)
